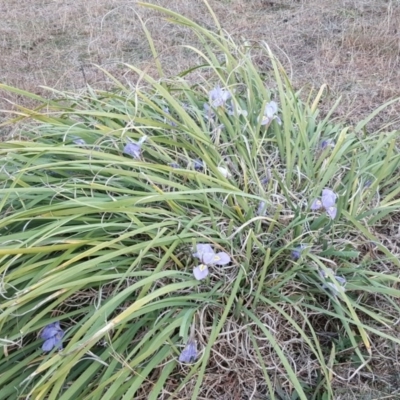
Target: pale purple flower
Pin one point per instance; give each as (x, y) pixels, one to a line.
(208, 257)
(52, 334)
(270, 111)
(327, 201)
(133, 149)
(328, 198)
(200, 272)
(189, 353)
(219, 96)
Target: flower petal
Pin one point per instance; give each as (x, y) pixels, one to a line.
(50, 330)
(265, 120)
(225, 95)
(328, 198)
(208, 258)
(49, 344)
(202, 249)
(323, 274)
(341, 279)
(218, 96)
(316, 205)
(189, 353)
(271, 109)
(331, 211)
(58, 342)
(48, 333)
(221, 258)
(133, 150)
(200, 272)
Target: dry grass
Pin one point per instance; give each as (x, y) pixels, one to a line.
(351, 45)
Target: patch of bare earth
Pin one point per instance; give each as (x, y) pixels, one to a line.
(353, 46)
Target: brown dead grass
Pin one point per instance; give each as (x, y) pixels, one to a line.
(351, 45)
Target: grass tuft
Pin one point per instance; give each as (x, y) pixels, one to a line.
(103, 242)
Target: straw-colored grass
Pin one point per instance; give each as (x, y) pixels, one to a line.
(350, 45)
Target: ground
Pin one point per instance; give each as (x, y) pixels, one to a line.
(353, 46)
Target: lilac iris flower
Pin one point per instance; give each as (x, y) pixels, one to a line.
(219, 96)
(270, 112)
(220, 258)
(189, 353)
(133, 149)
(327, 202)
(328, 198)
(208, 257)
(52, 335)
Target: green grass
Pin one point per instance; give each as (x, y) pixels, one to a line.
(103, 243)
